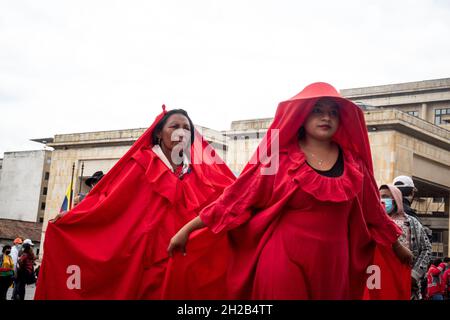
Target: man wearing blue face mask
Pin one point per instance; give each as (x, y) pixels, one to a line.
(413, 237)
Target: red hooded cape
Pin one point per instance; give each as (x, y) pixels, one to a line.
(251, 208)
(115, 240)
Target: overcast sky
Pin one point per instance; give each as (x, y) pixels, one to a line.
(77, 66)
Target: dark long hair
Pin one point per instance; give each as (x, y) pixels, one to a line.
(162, 122)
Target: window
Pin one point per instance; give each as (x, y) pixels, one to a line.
(438, 113)
(413, 113)
(438, 200)
(41, 219)
(43, 206)
(44, 192)
(436, 236)
(47, 175)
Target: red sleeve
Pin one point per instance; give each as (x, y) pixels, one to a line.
(382, 229)
(239, 201)
(445, 276)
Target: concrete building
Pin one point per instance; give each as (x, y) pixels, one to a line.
(428, 100)
(23, 191)
(24, 185)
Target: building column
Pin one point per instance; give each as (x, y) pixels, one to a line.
(447, 213)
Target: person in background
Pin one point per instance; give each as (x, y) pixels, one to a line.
(94, 179)
(406, 186)
(413, 236)
(25, 270)
(15, 253)
(6, 271)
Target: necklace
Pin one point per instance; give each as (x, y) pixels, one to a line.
(319, 161)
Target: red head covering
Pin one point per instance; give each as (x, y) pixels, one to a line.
(251, 207)
(115, 240)
(292, 114)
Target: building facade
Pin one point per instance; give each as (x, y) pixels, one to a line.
(24, 185)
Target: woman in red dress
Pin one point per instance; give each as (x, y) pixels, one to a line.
(113, 244)
(308, 229)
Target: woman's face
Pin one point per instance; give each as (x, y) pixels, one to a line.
(323, 121)
(176, 132)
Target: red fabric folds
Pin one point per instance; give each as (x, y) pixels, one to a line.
(284, 210)
(116, 238)
(395, 277)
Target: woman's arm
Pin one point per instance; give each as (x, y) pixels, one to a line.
(233, 208)
(425, 249)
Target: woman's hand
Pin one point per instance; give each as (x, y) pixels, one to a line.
(178, 242)
(404, 254)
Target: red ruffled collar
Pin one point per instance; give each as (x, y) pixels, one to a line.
(332, 189)
(191, 191)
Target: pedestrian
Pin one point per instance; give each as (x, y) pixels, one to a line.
(116, 238)
(6, 271)
(308, 229)
(408, 189)
(413, 236)
(15, 253)
(94, 179)
(25, 269)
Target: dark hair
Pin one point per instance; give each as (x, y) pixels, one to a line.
(6, 247)
(162, 122)
(446, 259)
(28, 250)
(301, 133)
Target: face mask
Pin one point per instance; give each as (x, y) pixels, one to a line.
(388, 204)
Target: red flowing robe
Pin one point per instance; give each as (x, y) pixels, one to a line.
(296, 234)
(116, 239)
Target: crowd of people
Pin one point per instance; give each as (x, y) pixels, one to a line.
(304, 220)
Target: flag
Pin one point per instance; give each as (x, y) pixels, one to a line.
(67, 202)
